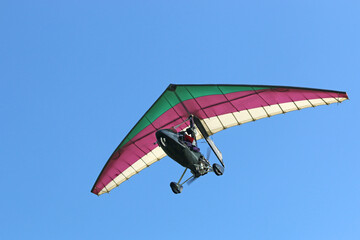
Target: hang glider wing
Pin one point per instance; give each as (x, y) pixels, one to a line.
(217, 107)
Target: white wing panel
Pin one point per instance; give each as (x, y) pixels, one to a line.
(228, 120)
(258, 113)
(243, 116)
(273, 110)
(288, 107)
(214, 124)
(317, 102)
(303, 104)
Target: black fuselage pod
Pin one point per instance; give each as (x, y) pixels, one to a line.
(169, 141)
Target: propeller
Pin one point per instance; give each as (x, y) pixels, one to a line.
(208, 153)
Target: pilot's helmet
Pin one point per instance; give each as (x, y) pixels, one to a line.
(189, 131)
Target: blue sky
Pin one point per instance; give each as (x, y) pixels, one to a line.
(75, 76)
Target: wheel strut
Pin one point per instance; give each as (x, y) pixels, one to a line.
(182, 176)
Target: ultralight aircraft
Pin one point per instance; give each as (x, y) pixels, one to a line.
(183, 114)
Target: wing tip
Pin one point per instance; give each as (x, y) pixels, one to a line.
(171, 87)
(95, 191)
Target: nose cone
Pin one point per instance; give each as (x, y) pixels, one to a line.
(166, 133)
(162, 133)
(166, 138)
(163, 138)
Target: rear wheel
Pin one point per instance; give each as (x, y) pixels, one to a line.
(218, 169)
(176, 188)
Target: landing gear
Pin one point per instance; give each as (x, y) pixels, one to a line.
(218, 169)
(176, 188)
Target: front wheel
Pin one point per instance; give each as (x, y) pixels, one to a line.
(176, 188)
(218, 169)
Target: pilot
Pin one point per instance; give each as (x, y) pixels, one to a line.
(189, 140)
